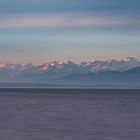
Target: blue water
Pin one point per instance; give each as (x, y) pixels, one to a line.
(69, 114)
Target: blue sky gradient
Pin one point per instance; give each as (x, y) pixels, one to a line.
(42, 30)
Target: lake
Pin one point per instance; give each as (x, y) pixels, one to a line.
(69, 114)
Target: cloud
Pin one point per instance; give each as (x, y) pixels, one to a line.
(62, 21)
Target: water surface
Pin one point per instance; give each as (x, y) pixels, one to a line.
(69, 114)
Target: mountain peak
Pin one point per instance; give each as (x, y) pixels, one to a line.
(94, 65)
(113, 65)
(2, 66)
(59, 72)
(55, 62)
(130, 59)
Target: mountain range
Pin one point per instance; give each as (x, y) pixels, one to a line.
(112, 73)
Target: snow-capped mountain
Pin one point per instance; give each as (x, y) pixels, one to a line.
(50, 65)
(57, 66)
(45, 72)
(59, 69)
(113, 65)
(124, 72)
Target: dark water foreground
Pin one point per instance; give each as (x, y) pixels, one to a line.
(69, 114)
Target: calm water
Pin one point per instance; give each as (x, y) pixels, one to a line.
(37, 114)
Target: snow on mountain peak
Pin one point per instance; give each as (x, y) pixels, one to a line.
(2, 66)
(113, 65)
(131, 59)
(94, 66)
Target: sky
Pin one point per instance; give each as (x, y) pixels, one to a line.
(38, 31)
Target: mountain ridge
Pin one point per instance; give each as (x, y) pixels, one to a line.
(65, 74)
(94, 66)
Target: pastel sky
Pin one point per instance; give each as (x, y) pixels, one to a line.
(38, 31)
